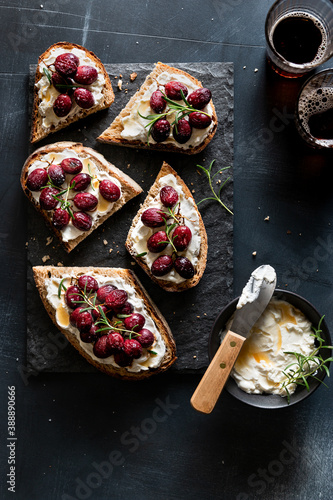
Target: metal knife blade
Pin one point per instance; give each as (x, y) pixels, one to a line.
(255, 297)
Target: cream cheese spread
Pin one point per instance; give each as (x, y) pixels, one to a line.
(140, 233)
(48, 94)
(70, 232)
(146, 360)
(134, 126)
(262, 360)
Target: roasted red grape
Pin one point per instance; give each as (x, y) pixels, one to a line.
(66, 64)
(122, 359)
(37, 179)
(103, 291)
(73, 296)
(101, 347)
(160, 131)
(84, 321)
(182, 131)
(199, 98)
(157, 242)
(60, 218)
(169, 196)
(73, 316)
(47, 198)
(157, 102)
(145, 337)
(127, 308)
(97, 312)
(84, 98)
(58, 82)
(182, 236)
(116, 299)
(71, 165)
(162, 265)
(62, 105)
(80, 182)
(91, 335)
(134, 322)
(184, 267)
(153, 217)
(132, 348)
(86, 75)
(115, 341)
(56, 174)
(88, 283)
(172, 90)
(82, 221)
(109, 190)
(85, 201)
(199, 120)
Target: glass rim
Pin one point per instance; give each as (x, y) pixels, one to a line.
(310, 139)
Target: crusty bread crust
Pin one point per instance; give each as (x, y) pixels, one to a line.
(129, 187)
(112, 134)
(37, 131)
(44, 273)
(170, 286)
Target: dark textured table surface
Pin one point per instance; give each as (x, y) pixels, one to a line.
(83, 436)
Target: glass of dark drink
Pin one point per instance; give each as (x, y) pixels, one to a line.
(299, 35)
(314, 110)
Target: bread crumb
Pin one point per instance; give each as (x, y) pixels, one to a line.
(254, 253)
(45, 258)
(105, 242)
(300, 234)
(116, 77)
(128, 165)
(267, 218)
(288, 231)
(60, 264)
(132, 263)
(120, 75)
(111, 249)
(26, 243)
(256, 70)
(193, 190)
(133, 76)
(244, 67)
(194, 357)
(119, 84)
(49, 240)
(198, 171)
(117, 251)
(198, 316)
(205, 314)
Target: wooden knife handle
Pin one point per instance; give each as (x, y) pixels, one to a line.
(217, 373)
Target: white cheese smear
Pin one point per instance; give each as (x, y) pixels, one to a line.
(146, 360)
(262, 360)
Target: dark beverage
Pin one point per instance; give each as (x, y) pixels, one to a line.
(298, 39)
(321, 125)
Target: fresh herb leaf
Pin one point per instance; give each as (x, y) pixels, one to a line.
(210, 177)
(48, 75)
(61, 286)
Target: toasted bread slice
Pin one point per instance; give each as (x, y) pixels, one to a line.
(49, 278)
(44, 120)
(116, 133)
(197, 250)
(93, 163)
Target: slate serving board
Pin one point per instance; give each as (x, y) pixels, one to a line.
(190, 314)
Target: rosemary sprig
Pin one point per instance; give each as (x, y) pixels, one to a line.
(181, 110)
(48, 75)
(210, 177)
(61, 286)
(307, 367)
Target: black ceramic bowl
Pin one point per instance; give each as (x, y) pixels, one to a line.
(271, 401)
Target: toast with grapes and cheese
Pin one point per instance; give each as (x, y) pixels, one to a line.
(51, 112)
(76, 201)
(183, 212)
(95, 343)
(132, 127)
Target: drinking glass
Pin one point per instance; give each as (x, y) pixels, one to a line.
(320, 12)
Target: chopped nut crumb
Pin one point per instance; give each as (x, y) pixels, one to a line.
(254, 253)
(133, 76)
(60, 264)
(45, 258)
(198, 316)
(116, 77)
(119, 84)
(194, 357)
(105, 242)
(49, 240)
(193, 190)
(120, 75)
(288, 232)
(205, 314)
(267, 218)
(111, 249)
